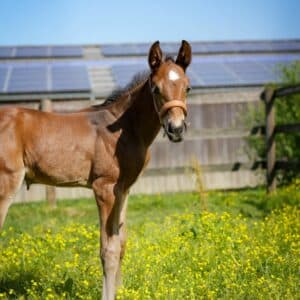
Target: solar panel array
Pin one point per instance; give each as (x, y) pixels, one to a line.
(204, 47)
(63, 77)
(221, 71)
(40, 51)
(43, 78)
(247, 67)
(6, 52)
(143, 48)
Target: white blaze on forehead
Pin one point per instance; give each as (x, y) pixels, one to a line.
(173, 75)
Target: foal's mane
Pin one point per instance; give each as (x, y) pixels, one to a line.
(137, 80)
(117, 94)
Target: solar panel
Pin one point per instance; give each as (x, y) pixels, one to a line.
(199, 48)
(219, 47)
(143, 49)
(252, 46)
(275, 68)
(249, 72)
(124, 73)
(28, 79)
(122, 50)
(277, 58)
(286, 46)
(32, 51)
(69, 78)
(194, 79)
(44, 51)
(170, 48)
(3, 74)
(204, 47)
(136, 49)
(6, 52)
(65, 51)
(214, 74)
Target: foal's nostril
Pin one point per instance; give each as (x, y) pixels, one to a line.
(177, 130)
(170, 128)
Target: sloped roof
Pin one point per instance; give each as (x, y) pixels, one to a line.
(97, 69)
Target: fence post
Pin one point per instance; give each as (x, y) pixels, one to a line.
(269, 96)
(46, 105)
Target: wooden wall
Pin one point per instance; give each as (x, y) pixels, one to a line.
(215, 137)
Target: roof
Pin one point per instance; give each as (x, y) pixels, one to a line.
(97, 69)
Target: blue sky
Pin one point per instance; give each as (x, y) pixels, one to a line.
(32, 22)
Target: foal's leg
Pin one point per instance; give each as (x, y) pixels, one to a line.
(110, 202)
(123, 239)
(10, 182)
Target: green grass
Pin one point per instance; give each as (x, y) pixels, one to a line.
(245, 246)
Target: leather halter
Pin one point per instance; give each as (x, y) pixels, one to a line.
(167, 106)
(171, 104)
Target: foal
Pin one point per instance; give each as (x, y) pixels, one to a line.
(104, 147)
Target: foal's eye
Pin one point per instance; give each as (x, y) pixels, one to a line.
(155, 90)
(188, 89)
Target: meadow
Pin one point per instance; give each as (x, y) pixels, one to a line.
(218, 245)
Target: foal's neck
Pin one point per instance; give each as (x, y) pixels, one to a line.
(141, 117)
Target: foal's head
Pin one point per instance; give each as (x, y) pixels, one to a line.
(170, 85)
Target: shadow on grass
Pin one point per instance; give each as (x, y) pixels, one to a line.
(267, 203)
(18, 286)
(20, 283)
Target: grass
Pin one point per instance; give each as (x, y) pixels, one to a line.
(244, 246)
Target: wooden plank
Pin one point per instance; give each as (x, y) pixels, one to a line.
(286, 91)
(287, 165)
(268, 97)
(288, 128)
(222, 167)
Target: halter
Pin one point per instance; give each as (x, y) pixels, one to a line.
(162, 111)
(171, 104)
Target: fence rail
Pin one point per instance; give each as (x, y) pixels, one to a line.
(268, 96)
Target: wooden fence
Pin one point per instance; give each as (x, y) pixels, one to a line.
(216, 137)
(271, 129)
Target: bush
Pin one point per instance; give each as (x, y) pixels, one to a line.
(287, 112)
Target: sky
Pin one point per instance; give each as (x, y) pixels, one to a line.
(40, 22)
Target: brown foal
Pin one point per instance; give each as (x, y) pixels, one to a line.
(104, 147)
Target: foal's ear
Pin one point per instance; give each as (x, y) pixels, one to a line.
(155, 56)
(184, 56)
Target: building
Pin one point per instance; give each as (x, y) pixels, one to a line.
(225, 76)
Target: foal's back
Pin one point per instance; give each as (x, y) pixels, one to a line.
(50, 148)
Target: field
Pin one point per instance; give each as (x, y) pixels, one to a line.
(226, 245)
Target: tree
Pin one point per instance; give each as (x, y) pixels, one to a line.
(287, 111)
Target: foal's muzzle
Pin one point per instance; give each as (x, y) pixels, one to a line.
(173, 129)
(174, 132)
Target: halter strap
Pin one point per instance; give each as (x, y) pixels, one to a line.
(170, 104)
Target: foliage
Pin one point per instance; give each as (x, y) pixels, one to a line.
(229, 252)
(287, 111)
(199, 182)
